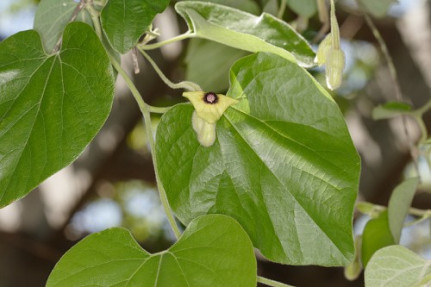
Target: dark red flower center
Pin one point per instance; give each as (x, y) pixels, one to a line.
(211, 98)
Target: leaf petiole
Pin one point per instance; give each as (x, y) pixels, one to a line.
(186, 85)
(272, 283)
(186, 35)
(145, 110)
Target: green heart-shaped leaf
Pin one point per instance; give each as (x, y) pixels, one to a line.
(283, 164)
(214, 251)
(397, 266)
(51, 106)
(245, 31)
(124, 21)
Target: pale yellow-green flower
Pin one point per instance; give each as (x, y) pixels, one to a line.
(209, 107)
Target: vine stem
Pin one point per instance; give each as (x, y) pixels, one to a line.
(282, 9)
(270, 282)
(412, 210)
(186, 85)
(158, 110)
(335, 30)
(186, 35)
(145, 110)
(394, 77)
(95, 19)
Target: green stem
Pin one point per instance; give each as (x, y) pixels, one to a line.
(394, 77)
(335, 30)
(145, 110)
(282, 9)
(270, 282)
(158, 110)
(422, 127)
(181, 37)
(412, 210)
(186, 85)
(422, 110)
(95, 19)
(419, 220)
(386, 55)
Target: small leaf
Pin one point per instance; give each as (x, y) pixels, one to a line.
(390, 110)
(51, 18)
(245, 31)
(399, 205)
(378, 8)
(124, 21)
(51, 106)
(396, 266)
(376, 236)
(282, 164)
(213, 251)
(306, 8)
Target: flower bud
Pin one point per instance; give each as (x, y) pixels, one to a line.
(209, 107)
(206, 132)
(323, 50)
(334, 68)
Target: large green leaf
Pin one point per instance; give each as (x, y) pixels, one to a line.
(283, 164)
(399, 205)
(376, 236)
(245, 31)
(214, 251)
(52, 17)
(51, 106)
(124, 21)
(397, 266)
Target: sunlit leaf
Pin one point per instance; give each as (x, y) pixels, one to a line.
(245, 31)
(283, 164)
(51, 106)
(213, 251)
(397, 266)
